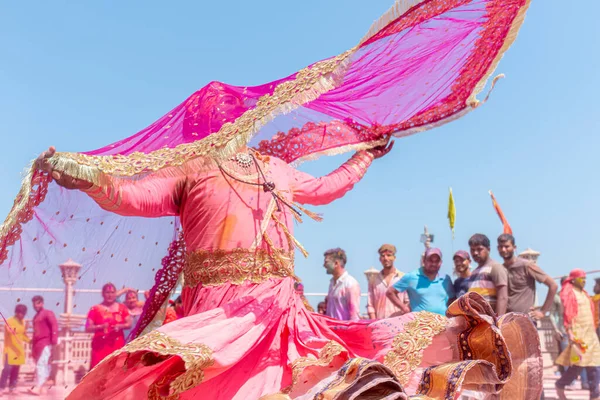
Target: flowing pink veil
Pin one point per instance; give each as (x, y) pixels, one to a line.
(421, 65)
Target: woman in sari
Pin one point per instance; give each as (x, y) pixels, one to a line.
(107, 321)
(134, 307)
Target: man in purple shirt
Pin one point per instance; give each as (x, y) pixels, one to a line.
(343, 299)
(45, 335)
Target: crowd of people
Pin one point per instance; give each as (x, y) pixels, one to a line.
(110, 322)
(509, 286)
(43, 340)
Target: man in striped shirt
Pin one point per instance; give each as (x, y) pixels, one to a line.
(490, 278)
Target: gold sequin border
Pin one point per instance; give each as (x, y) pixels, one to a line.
(217, 267)
(326, 355)
(408, 346)
(308, 85)
(196, 357)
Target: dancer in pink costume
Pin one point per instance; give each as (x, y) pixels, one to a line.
(219, 167)
(246, 332)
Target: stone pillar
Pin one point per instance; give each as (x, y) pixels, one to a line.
(530, 254)
(371, 273)
(70, 274)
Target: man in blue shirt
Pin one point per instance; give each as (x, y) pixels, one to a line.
(427, 289)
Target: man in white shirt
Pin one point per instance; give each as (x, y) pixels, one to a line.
(343, 299)
(378, 305)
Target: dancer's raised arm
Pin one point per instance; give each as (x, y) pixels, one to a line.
(153, 196)
(318, 191)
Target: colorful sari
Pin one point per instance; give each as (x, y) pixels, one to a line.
(246, 332)
(108, 340)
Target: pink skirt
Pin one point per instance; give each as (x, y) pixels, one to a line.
(254, 339)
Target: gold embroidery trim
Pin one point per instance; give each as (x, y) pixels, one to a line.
(197, 357)
(236, 266)
(326, 355)
(408, 346)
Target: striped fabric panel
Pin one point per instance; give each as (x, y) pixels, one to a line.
(481, 283)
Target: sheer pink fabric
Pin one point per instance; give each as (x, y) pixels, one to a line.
(422, 68)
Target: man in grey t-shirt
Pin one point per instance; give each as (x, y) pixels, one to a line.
(522, 276)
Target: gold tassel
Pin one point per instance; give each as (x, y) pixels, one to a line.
(291, 237)
(297, 218)
(476, 103)
(312, 215)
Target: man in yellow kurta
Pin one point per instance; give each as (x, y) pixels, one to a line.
(14, 349)
(584, 349)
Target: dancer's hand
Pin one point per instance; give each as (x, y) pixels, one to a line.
(64, 180)
(382, 150)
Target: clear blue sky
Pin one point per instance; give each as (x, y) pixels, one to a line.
(79, 75)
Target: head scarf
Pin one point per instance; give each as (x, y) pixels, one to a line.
(567, 296)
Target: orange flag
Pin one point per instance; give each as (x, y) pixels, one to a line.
(505, 224)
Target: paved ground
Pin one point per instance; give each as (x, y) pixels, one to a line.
(549, 379)
(21, 393)
(550, 392)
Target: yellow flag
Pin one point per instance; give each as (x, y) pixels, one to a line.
(451, 212)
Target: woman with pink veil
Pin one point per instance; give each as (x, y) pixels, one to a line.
(214, 177)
